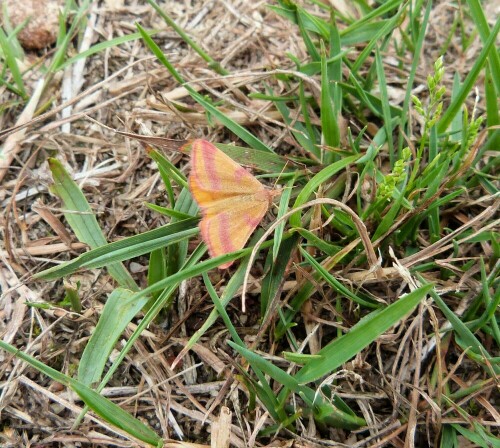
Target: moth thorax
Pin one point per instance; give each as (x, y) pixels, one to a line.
(264, 196)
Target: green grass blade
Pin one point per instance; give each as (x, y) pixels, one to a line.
(221, 310)
(116, 415)
(176, 254)
(389, 217)
(457, 124)
(157, 268)
(469, 81)
(334, 68)
(15, 46)
(477, 14)
(263, 389)
(240, 131)
(492, 108)
(102, 406)
(359, 31)
(294, 13)
(303, 295)
(116, 315)
(490, 303)
(267, 367)
(229, 291)
(11, 61)
(366, 34)
(311, 47)
(324, 412)
(333, 282)
(65, 37)
(360, 336)
(125, 249)
(171, 213)
(371, 101)
(386, 109)
(282, 209)
(330, 411)
(323, 176)
(168, 286)
(36, 364)
(477, 437)
(319, 243)
(302, 133)
(167, 168)
(449, 437)
(276, 265)
(101, 46)
(413, 71)
(263, 161)
(329, 118)
(82, 220)
(212, 63)
(464, 336)
(383, 31)
(382, 11)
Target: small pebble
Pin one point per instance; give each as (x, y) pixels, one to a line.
(136, 267)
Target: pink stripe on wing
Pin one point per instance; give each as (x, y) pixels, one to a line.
(208, 154)
(240, 174)
(224, 238)
(253, 222)
(206, 226)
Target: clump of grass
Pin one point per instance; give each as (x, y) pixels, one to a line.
(403, 187)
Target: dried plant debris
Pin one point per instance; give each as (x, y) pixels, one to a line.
(387, 269)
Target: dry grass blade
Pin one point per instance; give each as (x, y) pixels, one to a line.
(13, 143)
(379, 121)
(221, 429)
